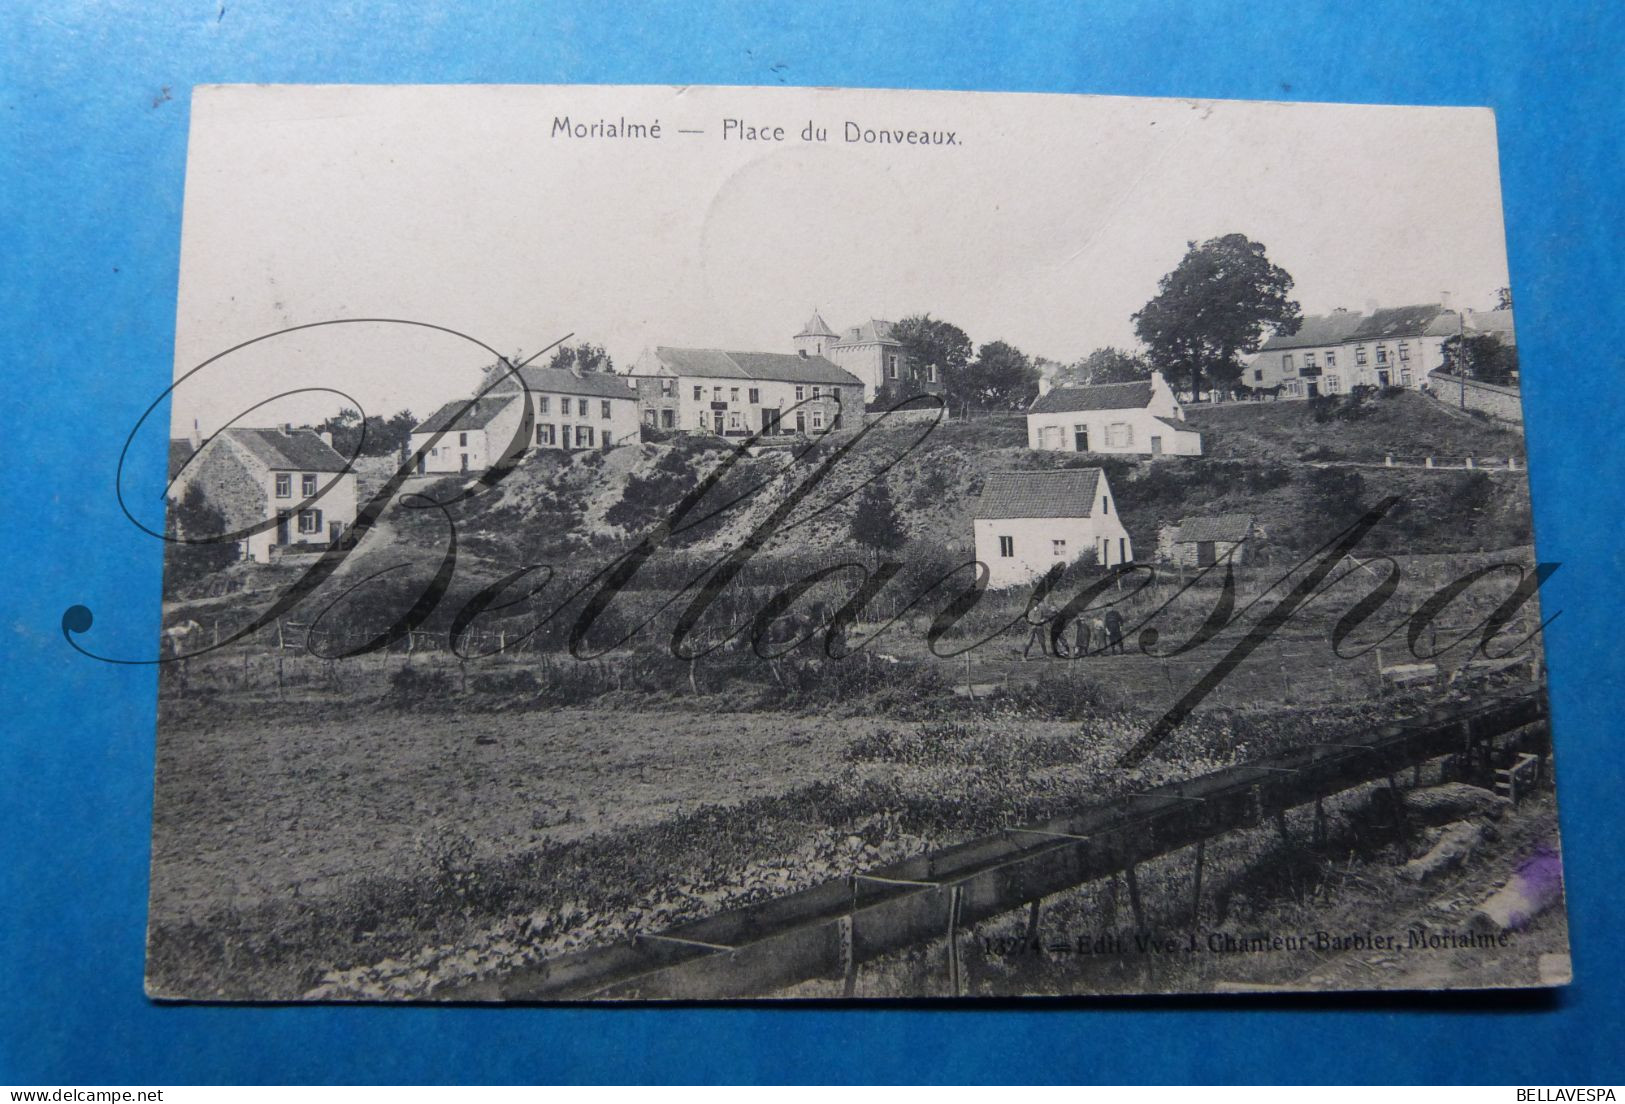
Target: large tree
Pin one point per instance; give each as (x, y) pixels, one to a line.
(875, 523)
(1002, 377)
(1219, 304)
(384, 436)
(931, 341)
(1487, 359)
(585, 357)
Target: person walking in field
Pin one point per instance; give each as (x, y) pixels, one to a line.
(1114, 632)
(1080, 645)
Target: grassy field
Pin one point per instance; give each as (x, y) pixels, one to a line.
(1407, 426)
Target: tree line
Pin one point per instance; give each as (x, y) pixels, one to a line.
(1219, 304)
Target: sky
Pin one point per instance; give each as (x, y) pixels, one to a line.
(1047, 223)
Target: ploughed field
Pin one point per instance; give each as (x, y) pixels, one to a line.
(380, 850)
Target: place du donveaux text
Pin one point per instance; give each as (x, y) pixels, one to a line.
(842, 132)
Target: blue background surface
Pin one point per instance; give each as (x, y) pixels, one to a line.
(93, 156)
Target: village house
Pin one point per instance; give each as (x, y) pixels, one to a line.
(1203, 541)
(872, 353)
(288, 482)
(571, 410)
(1027, 522)
(1332, 354)
(736, 394)
(1141, 418)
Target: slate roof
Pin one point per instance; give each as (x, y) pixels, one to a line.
(1175, 424)
(180, 451)
(874, 330)
(478, 415)
(1225, 527)
(1317, 330)
(1100, 396)
(562, 381)
(298, 450)
(779, 367)
(816, 327)
(1390, 322)
(1068, 493)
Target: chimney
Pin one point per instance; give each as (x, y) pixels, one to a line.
(1044, 385)
(1371, 306)
(575, 370)
(195, 438)
(327, 438)
(286, 428)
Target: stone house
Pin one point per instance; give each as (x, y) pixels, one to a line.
(283, 489)
(1203, 541)
(1026, 522)
(1142, 418)
(872, 353)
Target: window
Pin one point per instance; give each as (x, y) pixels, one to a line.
(1404, 351)
(307, 486)
(716, 393)
(818, 419)
(544, 434)
(604, 440)
(836, 392)
(1119, 435)
(1258, 375)
(1382, 354)
(733, 419)
(1007, 547)
(1105, 504)
(1059, 547)
(801, 392)
(1286, 363)
(818, 392)
(668, 419)
(699, 393)
(931, 372)
(649, 416)
(1308, 361)
(581, 407)
(891, 366)
(310, 521)
(284, 485)
(1359, 354)
(733, 394)
(755, 395)
(1405, 376)
(1332, 384)
(603, 409)
(668, 388)
(542, 404)
(1331, 359)
(583, 436)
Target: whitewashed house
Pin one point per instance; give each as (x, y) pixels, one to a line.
(1142, 418)
(1331, 354)
(1027, 522)
(571, 409)
(473, 434)
(735, 394)
(289, 483)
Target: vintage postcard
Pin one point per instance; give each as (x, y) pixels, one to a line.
(712, 543)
